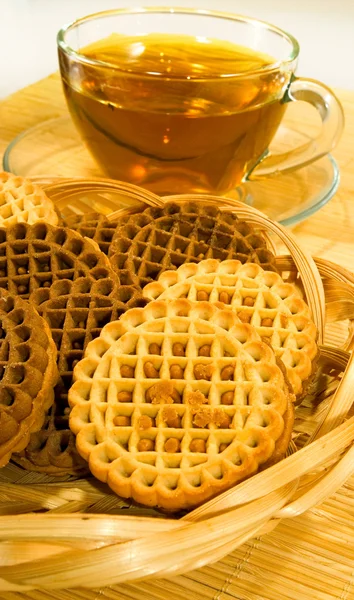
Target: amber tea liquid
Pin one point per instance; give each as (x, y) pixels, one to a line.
(169, 117)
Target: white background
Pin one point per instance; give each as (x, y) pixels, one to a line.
(324, 28)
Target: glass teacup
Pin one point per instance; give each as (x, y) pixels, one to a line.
(187, 100)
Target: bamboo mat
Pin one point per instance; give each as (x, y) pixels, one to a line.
(310, 557)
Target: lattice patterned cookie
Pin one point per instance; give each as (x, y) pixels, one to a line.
(102, 230)
(75, 311)
(178, 401)
(95, 226)
(27, 373)
(52, 449)
(165, 238)
(35, 256)
(56, 267)
(275, 308)
(22, 201)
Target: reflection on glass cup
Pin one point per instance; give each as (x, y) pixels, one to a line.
(187, 100)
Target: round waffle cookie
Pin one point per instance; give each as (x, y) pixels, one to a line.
(276, 309)
(27, 373)
(52, 449)
(56, 267)
(178, 401)
(75, 311)
(33, 257)
(101, 230)
(22, 201)
(165, 238)
(95, 226)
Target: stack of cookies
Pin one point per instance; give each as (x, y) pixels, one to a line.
(170, 351)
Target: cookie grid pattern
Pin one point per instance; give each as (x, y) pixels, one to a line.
(94, 226)
(72, 284)
(34, 256)
(23, 201)
(75, 311)
(170, 408)
(261, 298)
(27, 373)
(165, 238)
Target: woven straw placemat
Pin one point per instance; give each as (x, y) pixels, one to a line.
(310, 557)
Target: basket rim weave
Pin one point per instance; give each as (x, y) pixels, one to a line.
(129, 548)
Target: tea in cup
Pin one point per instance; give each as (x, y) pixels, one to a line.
(187, 100)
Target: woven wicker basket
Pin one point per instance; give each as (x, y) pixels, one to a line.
(57, 533)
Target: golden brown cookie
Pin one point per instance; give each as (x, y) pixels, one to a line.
(177, 402)
(21, 201)
(28, 373)
(95, 226)
(276, 309)
(165, 238)
(71, 283)
(75, 311)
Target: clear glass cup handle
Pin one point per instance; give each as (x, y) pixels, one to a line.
(331, 113)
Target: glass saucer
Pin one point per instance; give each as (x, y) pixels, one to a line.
(289, 199)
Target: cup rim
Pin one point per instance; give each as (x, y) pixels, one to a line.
(61, 43)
